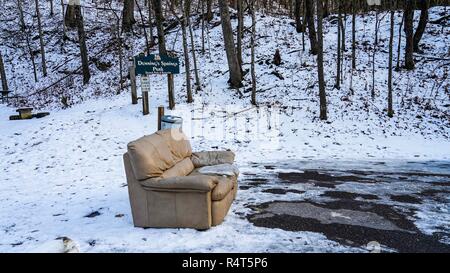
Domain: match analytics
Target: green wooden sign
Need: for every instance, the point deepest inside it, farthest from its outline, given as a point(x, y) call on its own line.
point(157, 64)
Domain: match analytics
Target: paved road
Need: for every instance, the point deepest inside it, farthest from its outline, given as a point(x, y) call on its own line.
point(384, 206)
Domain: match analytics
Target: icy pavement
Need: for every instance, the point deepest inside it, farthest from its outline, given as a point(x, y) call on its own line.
point(396, 205)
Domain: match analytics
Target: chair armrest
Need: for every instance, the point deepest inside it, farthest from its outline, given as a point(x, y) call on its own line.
point(201, 159)
point(203, 183)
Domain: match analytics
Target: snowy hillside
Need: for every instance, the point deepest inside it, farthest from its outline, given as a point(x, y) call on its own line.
point(57, 170)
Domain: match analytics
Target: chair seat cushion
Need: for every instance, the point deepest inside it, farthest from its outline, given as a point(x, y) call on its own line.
point(221, 169)
point(224, 186)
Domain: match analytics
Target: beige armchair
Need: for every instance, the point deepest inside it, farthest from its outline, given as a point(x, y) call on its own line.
point(166, 188)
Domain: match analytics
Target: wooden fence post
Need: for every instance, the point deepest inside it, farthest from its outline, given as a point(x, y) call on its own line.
point(145, 89)
point(145, 108)
point(160, 114)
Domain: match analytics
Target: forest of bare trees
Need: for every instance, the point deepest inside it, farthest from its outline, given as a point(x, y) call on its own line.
point(308, 16)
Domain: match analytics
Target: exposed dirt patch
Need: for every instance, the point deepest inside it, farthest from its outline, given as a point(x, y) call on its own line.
point(349, 195)
point(406, 199)
point(356, 235)
point(402, 174)
point(407, 238)
point(93, 214)
point(443, 184)
point(433, 192)
point(255, 182)
point(282, 191)
point(320, 179)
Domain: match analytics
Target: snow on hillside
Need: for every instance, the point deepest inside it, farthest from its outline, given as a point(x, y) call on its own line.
point(60, 168)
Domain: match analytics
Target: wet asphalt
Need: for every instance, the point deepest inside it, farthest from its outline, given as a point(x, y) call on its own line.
point(356, 204)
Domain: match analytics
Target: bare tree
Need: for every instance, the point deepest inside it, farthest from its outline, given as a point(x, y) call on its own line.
point(391, 41)
point(409, 49)
point(63, 21)
point(424, 6)
point(41, 39)
point(69, 19)
point(337, 85)
point(26, 31)
point(298, 17)
point(233, 63)
point(147, 44)
point(3, 74)
point(119, 46)
point(21, 19)
point(82, 41)
point(187, 14)
point(252, 46)
point(353, 34)
point(320, 73)
point(309, 9)
point(239, 32)
point(51, 7)
point(209, 14)
point(182, 21)
point(150, 22)
point(399, 44)
point(128, 15)
point(321, 77)
point(162, 48)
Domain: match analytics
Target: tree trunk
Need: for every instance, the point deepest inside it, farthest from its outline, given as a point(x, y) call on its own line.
point(3, 74)
point(185, 51)
point(30, 51)
point(147, 44)
point(338, 62)
point(375, 47)
point(298, 17)
point(21, 19)
point(150, 22)
point(187, 12)
point(159, 26)
point(409, 49)
point(321, 77)
point(424, 6)
point(128, 15)
point(209, 14)
point(41, 39)
point(162, 49)
point(51, 7)
point(391, 41)
point(399, 44)
point(311, 28)
point(252, 46)
point(326, 10)
point(233, 63)
point(82, 41)
point(119, 45)
point(203, 26)
point(240, 27)
point(353, 34)
point(69, 19)
point(63, 21)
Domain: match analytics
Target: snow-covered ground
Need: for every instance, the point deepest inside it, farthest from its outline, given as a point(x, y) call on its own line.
point(56, 170)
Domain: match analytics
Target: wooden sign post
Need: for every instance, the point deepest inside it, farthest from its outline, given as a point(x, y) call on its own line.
point(154, 64)
point(160, 114)
point(145, 88)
